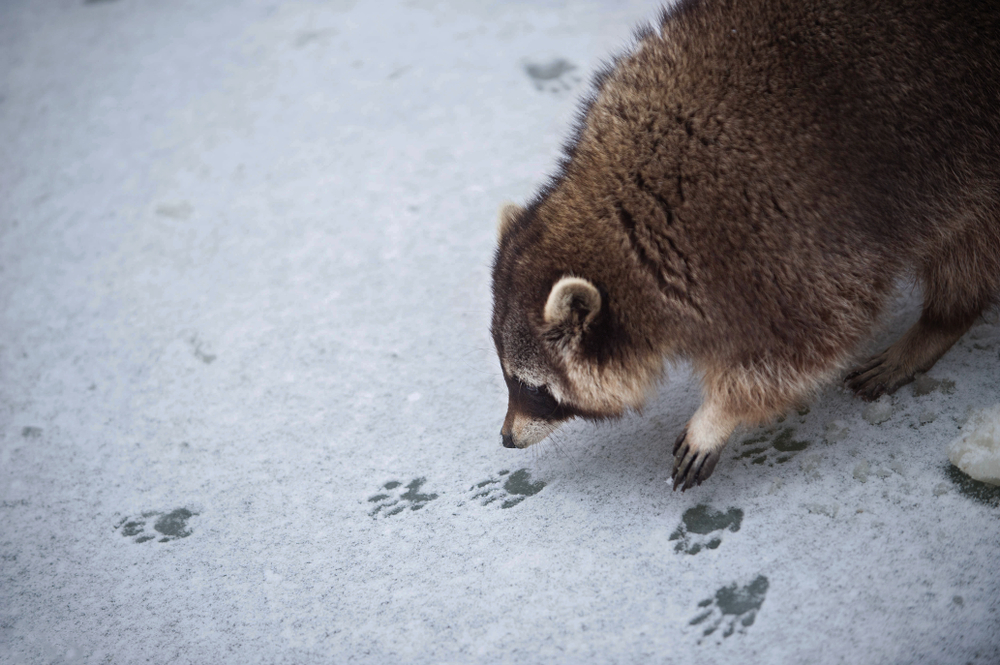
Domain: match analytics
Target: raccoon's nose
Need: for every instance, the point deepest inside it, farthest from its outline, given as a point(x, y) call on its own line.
point(507, 440)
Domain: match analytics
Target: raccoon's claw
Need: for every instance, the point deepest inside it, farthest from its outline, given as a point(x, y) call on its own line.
point(677, 444)
point(691, 466)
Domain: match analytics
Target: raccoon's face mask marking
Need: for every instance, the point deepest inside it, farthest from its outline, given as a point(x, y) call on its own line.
point(532, 414)
point(537, 399)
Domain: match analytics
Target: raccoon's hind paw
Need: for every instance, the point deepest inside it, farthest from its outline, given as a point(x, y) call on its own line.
point(876, 377)
point(916, 351)
point(691, 466)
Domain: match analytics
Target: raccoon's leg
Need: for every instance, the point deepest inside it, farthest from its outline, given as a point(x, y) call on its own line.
point(697, 449)
point(959, 283)
point(916, 351)
point(738, 395)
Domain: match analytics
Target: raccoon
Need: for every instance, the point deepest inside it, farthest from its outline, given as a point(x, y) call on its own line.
point(744, 190)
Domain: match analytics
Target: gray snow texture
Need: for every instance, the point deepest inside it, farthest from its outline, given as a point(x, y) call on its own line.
point(250, 409)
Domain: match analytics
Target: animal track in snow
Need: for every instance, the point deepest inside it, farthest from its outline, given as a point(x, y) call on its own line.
point(733, 607)
point(925, 385)
point(554, 75)
point(397, 500)
point(166, 526)
point(516, 488)
point(782, 447)
point(199, 349)
point(703, 526)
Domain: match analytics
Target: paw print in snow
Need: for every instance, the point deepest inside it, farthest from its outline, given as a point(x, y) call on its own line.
point(554, 76)
point(758, 447)
point(515, 489)
point(200, 352)
point(703, 526)
point(167, 526)
point(733, 607)
point(391, 504)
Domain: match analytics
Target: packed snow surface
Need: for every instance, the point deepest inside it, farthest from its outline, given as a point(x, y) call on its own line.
point(250, 409)
point(977, 450)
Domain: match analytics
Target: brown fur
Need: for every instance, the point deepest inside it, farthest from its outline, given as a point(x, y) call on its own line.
point(745, 189)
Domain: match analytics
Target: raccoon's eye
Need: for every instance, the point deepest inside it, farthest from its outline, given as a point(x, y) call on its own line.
point(539, 402)
point(537, 394)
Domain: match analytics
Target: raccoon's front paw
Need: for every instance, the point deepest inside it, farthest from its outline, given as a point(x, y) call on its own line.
point(691, 465)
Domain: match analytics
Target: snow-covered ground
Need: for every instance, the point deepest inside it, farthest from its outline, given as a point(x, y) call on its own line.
point(249, 407)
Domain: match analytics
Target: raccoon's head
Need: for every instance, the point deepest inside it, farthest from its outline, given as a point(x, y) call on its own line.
point(562, 348)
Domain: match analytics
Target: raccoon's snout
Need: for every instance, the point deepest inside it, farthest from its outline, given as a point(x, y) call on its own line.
point(522, 432)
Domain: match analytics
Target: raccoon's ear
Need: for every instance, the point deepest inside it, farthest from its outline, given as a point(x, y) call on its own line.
point(508, 213)
point(572, 300)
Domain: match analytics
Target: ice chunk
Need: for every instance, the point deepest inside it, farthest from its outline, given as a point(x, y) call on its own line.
point(977, 450)
point(878, 411)
point(836, 430)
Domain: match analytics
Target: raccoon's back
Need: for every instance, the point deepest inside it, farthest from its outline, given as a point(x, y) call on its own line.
point(876, 112)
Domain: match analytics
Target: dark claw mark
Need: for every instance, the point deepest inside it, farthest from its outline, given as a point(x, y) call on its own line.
point(679, 441)
point(874, 392)
point(685, 470)
point(686, 463)
point(872, 364)
point(678, 459)
point(693, 473)
point(866, 387)
point(692, 467)
point(876, 377)
point(709, 467)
